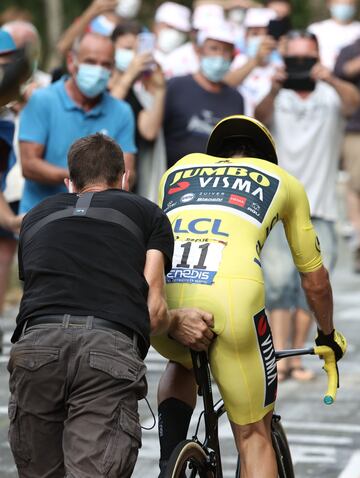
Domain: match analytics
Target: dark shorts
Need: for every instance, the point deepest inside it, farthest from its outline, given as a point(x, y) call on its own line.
point(73, 408)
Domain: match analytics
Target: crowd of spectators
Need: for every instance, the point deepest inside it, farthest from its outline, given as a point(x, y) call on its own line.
point(159, 89)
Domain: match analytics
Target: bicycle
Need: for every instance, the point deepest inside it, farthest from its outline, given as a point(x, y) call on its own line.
point(193, 458)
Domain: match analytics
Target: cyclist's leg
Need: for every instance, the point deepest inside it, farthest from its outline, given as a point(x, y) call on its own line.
point(254, 441)
point(176, 397)
point(242, 361)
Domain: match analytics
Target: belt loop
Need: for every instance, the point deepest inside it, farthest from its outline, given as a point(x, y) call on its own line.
point(89, 322)
point(135, 342)
point(66, 320)
point(23, 330)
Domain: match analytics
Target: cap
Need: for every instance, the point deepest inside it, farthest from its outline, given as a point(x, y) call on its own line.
point(7, 44)
point(258, 17)
point(240, 126)
point(221, 31)
point(205, 16)
point(174, 15)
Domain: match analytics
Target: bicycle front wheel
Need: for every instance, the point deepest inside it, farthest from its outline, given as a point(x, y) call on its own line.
point(188, 460)
point(282, 450)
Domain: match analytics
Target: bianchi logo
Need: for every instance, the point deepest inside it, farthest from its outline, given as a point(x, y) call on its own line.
point(187, 197)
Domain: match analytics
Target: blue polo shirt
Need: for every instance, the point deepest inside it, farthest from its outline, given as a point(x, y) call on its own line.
point(53, 119)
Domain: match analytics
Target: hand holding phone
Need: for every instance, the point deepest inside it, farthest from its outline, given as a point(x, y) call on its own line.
point(146, 44)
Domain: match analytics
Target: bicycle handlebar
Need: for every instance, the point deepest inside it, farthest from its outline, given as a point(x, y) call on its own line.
point(330, 367)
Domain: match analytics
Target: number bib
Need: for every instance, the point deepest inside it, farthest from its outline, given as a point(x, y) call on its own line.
point(195, 263)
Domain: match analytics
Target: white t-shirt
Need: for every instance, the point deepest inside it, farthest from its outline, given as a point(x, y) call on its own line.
point(332, 37)
point(256, 85)
point(182, 61)
point(308, 135)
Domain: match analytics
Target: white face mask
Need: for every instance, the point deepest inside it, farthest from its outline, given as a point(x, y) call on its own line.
point(169, 39)
point(128, 8)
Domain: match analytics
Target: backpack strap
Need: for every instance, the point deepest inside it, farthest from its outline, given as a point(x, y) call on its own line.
point(83, 209)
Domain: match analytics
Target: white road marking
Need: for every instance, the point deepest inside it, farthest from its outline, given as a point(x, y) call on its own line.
point(336, 427)
point(352, 469)
point(313, 454)
point(319, 439)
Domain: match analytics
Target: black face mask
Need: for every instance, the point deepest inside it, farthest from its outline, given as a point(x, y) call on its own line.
point(298, 69)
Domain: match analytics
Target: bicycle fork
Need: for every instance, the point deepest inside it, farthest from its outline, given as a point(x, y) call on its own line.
point(211, 416)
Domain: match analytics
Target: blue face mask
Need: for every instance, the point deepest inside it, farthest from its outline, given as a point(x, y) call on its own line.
point(92, 80)
point(123, 58)
point(342, 12)
point(252, 46)
point(214, 68)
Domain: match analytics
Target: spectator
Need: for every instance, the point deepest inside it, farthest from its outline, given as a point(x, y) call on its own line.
point(23, 33)
point(140, 82)
point(93, 293)
point(9, 222)
point(76, 105)
point(308, 130)
point(26, 33)
point(336, 32)
point(188, 123)
point(184, 60)
point(236, 12)
point(251, 72)
point(348, 68)
point(171, 27)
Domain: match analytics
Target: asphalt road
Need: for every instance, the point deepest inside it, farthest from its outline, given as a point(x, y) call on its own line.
point(324, 440)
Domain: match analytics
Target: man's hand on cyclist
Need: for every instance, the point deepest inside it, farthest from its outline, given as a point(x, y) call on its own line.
point(336, 341)
point(191, 327)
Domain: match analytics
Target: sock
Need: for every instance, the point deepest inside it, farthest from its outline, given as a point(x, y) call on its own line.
point(174, 420)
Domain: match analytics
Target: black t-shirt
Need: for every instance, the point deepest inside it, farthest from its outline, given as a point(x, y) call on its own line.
point(84, 266)
point(191, 112)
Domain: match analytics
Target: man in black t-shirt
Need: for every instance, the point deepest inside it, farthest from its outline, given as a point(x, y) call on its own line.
point(93, 263)
point(194, 104)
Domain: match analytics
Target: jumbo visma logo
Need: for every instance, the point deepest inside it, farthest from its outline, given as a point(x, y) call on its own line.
point(244, 189)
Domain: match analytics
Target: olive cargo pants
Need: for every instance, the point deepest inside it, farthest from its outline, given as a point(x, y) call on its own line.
point(74, 401)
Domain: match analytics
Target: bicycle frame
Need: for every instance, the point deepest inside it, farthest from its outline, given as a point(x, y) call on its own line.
point(213, 413)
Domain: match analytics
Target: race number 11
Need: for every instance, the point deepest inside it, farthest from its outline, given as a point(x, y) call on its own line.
point(191, 255)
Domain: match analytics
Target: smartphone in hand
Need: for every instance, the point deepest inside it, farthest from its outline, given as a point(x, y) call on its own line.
point(146, 44)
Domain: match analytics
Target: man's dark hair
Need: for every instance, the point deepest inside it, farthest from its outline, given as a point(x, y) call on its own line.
point(125, 28)
point(95, 158)
point(243, 147)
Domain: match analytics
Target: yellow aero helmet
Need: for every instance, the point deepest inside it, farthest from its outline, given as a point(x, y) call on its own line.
point(244, 129)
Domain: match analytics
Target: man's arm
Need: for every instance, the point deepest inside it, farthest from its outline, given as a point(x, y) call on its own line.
point(348, 93)
point(154, 275)
point(305, 249)
point(235, 77)
point(78, 27)
point(265, 109)
point(34, 167)
point(190, 327)
point(318, 293)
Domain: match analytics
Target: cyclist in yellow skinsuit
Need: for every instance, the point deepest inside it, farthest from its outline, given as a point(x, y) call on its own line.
point(222, 208)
